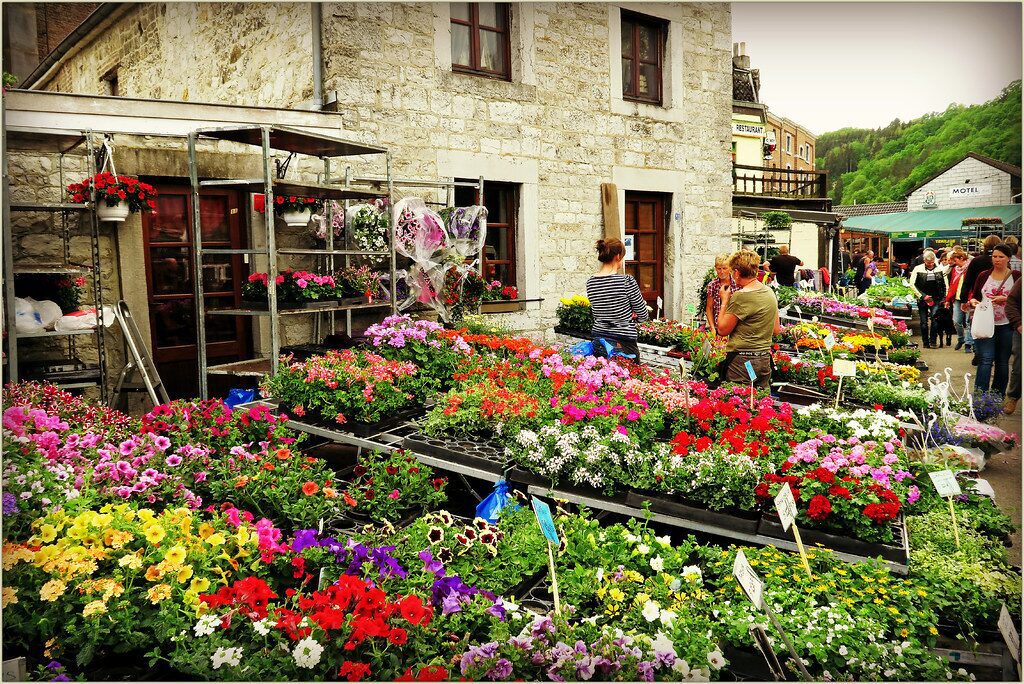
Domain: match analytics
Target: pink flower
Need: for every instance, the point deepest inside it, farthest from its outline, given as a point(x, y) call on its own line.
point(301, 282)
point(200, 476)
point(632, 416)
point(394, 494)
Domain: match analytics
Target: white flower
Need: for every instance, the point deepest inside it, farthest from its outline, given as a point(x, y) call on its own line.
point(676, 585)
point(206, 625)
point(644, 549)
point(600, 574)
point(682, 667)
point(662, 644)
point(657, 564)
point(651, 611)
point(664, 541)
point(692, 570)
point(262, 627)
point(307, 652)
point(716, 660)
point(843, 651)
point(668, 617)
point(226, 656)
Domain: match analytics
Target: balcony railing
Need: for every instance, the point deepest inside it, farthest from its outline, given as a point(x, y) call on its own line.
point(773, 182)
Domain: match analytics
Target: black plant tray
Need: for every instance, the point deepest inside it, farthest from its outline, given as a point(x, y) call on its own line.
point(895, 552)
point(801, 395)
point(523, 477)
point(483, 454)
point(263, 306)
point(361, 429)
point(569, 332)
point(737, 521)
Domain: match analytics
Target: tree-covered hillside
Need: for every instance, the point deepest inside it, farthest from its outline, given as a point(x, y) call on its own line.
point(884, 164)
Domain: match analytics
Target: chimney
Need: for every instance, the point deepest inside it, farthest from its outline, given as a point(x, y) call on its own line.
point(740, 59)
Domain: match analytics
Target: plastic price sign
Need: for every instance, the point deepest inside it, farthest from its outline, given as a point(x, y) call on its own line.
point(705, 350)
point(547, 524)
point(785, 504)
point(751, 584)
point(691, 309)
point(1008, 628)
point(750, 371)
point(945, 483)
point(947, 487)
point(799, 311)
point(830, 341)
point(844, 368)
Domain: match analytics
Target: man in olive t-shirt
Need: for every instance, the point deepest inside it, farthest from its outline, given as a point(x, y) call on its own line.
point(784, 265)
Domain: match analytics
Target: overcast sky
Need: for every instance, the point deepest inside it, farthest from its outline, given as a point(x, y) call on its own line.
point(827, 65)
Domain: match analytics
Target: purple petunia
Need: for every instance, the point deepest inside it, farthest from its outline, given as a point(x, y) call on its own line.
point(10, 503)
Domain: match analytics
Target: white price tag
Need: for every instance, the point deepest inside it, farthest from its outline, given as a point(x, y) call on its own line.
point(945, 483)
point(1008, 629)
point(844, 368)
point(830, 341)
point(798, 309)
point(705, 350)
point(752, 585)
point(785, 504)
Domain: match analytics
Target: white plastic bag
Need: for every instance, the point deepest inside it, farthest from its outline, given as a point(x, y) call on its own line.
point(27, 319)
point(983, 325)
point(48, 311)
point(83, 320)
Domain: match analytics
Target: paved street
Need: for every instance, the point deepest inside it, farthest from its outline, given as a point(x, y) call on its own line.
point(1003, 471)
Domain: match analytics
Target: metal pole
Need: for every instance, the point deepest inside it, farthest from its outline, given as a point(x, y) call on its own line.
point(268, 193)
point(391, 213)
point(348, 246)
point(197, 269)
point(8, 243)
point(329, 215)
point(97, 280)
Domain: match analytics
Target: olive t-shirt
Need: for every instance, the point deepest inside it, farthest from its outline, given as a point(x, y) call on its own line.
point(756, 311)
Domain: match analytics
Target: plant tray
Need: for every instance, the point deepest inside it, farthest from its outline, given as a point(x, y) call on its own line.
point(737, 521)
point(526, 478)
point(895, 552)
point(290, 306)
point(482, 454)
point(800, 395)
point(569, 332)
point(354, 301)
point(360, 429)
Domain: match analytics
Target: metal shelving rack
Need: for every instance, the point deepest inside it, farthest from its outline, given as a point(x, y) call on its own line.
point(293, 142)
point(61, 144)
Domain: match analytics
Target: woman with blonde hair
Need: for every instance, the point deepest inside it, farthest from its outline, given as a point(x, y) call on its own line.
point(749, 317)
point(714, 295)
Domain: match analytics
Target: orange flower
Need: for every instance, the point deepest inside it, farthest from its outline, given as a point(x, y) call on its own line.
point(241, 482)
point(349, 500)
point(310, 488)
point(330, 493)
point(284, 454)
point(268, 466)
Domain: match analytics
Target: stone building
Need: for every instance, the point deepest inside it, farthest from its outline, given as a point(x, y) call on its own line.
point(546, 102)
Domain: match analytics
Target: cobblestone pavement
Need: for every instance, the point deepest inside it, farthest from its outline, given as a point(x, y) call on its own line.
point(1003, 471)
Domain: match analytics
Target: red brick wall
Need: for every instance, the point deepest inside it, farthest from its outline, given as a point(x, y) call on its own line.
point(55, 21)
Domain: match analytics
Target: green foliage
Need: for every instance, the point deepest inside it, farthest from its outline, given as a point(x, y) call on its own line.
point(884, 164)
point(776, 219)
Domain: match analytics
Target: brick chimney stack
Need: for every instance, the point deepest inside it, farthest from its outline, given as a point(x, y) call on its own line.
point(740, 58)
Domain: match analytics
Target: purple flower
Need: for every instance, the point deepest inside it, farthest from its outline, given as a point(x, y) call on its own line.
point(430, 564)
point(304, 539)
point(497, 610)
point(61, 678)
point(451, 604)
point(174, 461)
point(54, 665)
point(646, 670)
point(501, 670)
point(162, 443)
point(10, 503)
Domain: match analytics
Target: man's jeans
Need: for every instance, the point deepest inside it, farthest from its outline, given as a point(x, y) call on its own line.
point(994, 365)
point(962, 323)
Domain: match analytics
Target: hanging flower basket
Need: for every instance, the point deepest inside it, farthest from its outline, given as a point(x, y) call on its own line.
point(116, 196)
point(294, 211)
point(296, 218)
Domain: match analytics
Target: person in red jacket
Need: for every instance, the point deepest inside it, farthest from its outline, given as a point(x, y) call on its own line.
point(994, 285)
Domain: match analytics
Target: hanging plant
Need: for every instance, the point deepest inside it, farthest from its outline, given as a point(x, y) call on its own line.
point(113, 191)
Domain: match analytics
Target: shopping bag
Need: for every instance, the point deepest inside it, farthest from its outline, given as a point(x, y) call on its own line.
point(490, 508)
point(239, 396)
point(983, 325)
point(582, 349)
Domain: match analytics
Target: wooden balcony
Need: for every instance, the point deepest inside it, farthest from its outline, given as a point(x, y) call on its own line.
point(783, 183)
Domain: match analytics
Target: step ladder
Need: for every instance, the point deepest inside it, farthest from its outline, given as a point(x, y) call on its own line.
point(140, 360)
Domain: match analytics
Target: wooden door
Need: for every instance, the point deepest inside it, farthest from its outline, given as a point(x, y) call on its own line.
point(170, 252)
point(645, 222)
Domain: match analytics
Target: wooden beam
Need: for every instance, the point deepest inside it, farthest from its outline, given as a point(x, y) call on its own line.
point(610, 210)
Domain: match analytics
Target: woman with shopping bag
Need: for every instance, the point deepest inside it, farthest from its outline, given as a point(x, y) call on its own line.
point(993, 335)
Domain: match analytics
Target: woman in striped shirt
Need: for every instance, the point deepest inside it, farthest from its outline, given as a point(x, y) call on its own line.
point(615, 300)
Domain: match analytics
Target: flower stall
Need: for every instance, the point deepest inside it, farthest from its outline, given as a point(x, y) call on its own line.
point(201, 541)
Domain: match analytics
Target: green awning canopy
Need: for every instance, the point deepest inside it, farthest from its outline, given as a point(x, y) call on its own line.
point(929, 223)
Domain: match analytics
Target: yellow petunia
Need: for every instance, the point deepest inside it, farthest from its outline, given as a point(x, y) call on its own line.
point(199, 585)
point(47, 533)
point(215, 539)
point(155, 533)
point(616, 594)
point(52, 590)
point(153, 573)
point(130, 561)
point(176, 555)
point(146, 515)
point(205, 530)
point(158, 593)
point(184, 573)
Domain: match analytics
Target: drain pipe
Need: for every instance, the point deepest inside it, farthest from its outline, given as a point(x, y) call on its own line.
point(315, 11)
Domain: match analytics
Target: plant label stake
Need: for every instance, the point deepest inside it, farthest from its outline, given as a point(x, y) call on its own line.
point(658, 309)
point(885, 374)
point(947, 487)
point(547, 526)
point(843, 368)
point(1008, 629)
point(785, 504)
point(753, 376)
point(685, 379)
point(830, 342)
point(753, 588)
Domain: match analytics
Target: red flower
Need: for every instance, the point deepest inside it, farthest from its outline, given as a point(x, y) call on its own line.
point(398, 636)
point(391, 470)
point(819, 508)
point(413, 610)
point(310, 488)
point(369, 495)
point(353, 672)
point(840, 491)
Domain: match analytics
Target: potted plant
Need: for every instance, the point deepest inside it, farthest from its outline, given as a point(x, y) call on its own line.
point(296, 211)
point(499, 298)
point(358, 285)
point(295, 289)
point(116, 196)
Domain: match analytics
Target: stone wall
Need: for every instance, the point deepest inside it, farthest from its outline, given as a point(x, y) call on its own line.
point(559, 128)
point(978, 173)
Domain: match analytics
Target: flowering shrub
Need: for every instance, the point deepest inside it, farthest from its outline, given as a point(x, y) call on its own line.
point(713, 476)
point(826, 305)
point(724, 415)
point(349, 629)
point(118, 578)
point(68, 293)
point(112, 190)
point(385, 486)
point(344, 385)
point(293, 287)
point(809, 421)
point(461, 292)
point(858, 487)
point(79, 414)
point(286, 203)
point(574, 313)
point(476, 409)
point(867, 339)
point(369, 225)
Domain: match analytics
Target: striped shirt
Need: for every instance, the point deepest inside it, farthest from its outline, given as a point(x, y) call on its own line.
point(614, 299)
